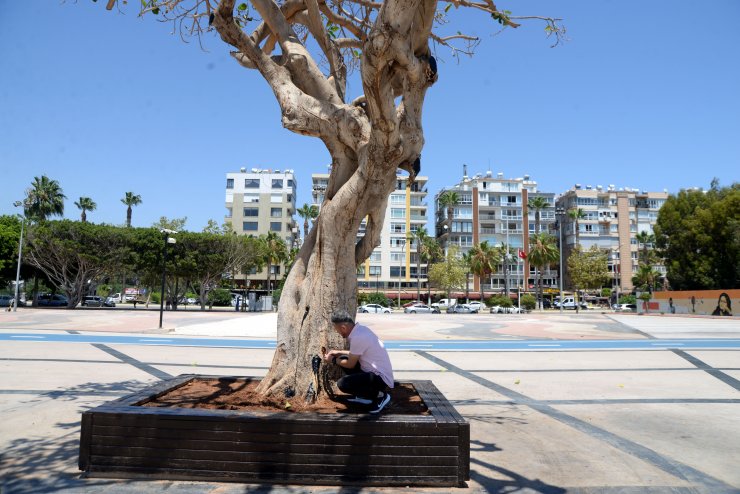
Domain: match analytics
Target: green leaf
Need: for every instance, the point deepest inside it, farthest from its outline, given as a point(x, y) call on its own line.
point(155, 11)
point(448, 7)
point(242, 7)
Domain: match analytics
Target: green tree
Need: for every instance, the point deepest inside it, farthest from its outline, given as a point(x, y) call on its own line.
point(70, 253)
point(450, 274)
point(543, 251)
point(213, 227)
point(646, 278)
point(85, 204)
point(165, 223)
point(576, 215)
point(588, 269)
point(10, 233)
point(45, 198)
point(430, 252)
point(483, 261)
point(644, 241)
point(418, 238)
point(697, 233)
point(537, 204)
point(276, 252)
point(448, 200)
point(307, 212)
point(130, 200)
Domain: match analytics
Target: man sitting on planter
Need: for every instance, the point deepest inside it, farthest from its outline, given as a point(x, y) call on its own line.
point(369, 374)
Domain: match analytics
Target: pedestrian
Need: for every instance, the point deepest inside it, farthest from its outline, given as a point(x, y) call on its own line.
point(367, 365)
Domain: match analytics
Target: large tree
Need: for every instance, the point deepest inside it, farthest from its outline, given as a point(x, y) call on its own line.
point(483, 261)
point(543, 252)
point(368, 137)
point(698, 235)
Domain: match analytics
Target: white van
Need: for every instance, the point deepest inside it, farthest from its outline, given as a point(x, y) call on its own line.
point(445, 303)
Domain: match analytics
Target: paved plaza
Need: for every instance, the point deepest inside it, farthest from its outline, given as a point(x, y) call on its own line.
point(661, 420)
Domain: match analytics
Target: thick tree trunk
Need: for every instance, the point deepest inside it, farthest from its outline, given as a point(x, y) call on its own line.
point(322, 280)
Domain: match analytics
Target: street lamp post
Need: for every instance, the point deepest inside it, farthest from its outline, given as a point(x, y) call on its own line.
point(377, 277)
point(560, 212)
point(400, 266)
point(20, 250)
point(167, 240)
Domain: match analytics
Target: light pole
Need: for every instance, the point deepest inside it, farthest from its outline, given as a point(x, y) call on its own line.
point(560, 212)
point(377, 276)
point(20, 250)
point(167, 240)
point(400, 265)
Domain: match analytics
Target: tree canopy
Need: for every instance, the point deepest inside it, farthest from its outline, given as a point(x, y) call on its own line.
point(698, 234)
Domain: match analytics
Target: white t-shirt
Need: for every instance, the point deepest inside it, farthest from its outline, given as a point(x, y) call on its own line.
point(373, 355)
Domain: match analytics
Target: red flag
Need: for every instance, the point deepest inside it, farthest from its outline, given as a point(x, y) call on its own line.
point(522, 254)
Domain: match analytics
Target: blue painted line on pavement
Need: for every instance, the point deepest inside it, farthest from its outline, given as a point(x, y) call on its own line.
point(440, 345)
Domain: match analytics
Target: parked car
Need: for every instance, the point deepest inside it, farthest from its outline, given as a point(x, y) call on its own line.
point(415, 302)
point(376, 308)
point(462, 309)
point(49, 300)
point(93, 301)
point(569, 303)
point(421, 309)
point(476, 304)
point(625, 307)
point(6, 300)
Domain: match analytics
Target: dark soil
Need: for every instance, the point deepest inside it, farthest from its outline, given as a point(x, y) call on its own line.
point(239, 394)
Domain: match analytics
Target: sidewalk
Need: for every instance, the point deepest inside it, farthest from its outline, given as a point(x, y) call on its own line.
point(583, 422)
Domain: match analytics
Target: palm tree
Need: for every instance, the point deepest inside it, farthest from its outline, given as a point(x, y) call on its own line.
point(130, 200)
point(44, 199)
point(307, 212)
point(276, 251)
point(448, 200)
point(543, 251)
point(85, 204)
point(646, 277)
point(483, 261)
point(576, 214)
point(644, 240)
point(430, 252)
point(418, 237)
point(537, 203)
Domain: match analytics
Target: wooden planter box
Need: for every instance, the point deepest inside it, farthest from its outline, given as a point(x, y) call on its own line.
point(123, 440)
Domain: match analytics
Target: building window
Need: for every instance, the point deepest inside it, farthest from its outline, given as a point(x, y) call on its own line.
point(276, 212)
point(229, 183)
point(251, 212)
point(251, 198)
point(398, 199)
point(398, 213)
point(275, 198)
point(275, 269)
point(290, 183)
point(290, 198)
point(398, 228)
point(251, 183)
point(277, 183)
point(398, 242)
point(228, 212)
point(375, 270)
point(462, 227)
point(375, 256)
point(395, 270)
point(276, 226)
point(249, 226)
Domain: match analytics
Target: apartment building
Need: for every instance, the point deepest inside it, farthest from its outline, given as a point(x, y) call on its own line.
point(493, 209)
point(613, 218)
point(259, 201)
point(393, 264)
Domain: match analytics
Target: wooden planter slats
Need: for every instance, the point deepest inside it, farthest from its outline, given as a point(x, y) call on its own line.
point(123, 439)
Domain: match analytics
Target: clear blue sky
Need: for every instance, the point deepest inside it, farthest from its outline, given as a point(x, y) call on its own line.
point(644, 95)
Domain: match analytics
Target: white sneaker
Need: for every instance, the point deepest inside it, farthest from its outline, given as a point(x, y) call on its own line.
point(359, 401)
point(382, 402)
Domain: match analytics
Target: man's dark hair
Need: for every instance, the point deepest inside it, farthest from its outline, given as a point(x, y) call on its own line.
point(340, 316)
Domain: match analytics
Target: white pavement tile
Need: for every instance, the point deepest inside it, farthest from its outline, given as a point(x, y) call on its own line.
point(703, 436)
point(718, 358)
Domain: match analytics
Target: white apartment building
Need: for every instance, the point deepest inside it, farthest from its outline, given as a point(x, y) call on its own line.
point(259, 201)
point(492, 209)
point(613, 218)
point(393, 264)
